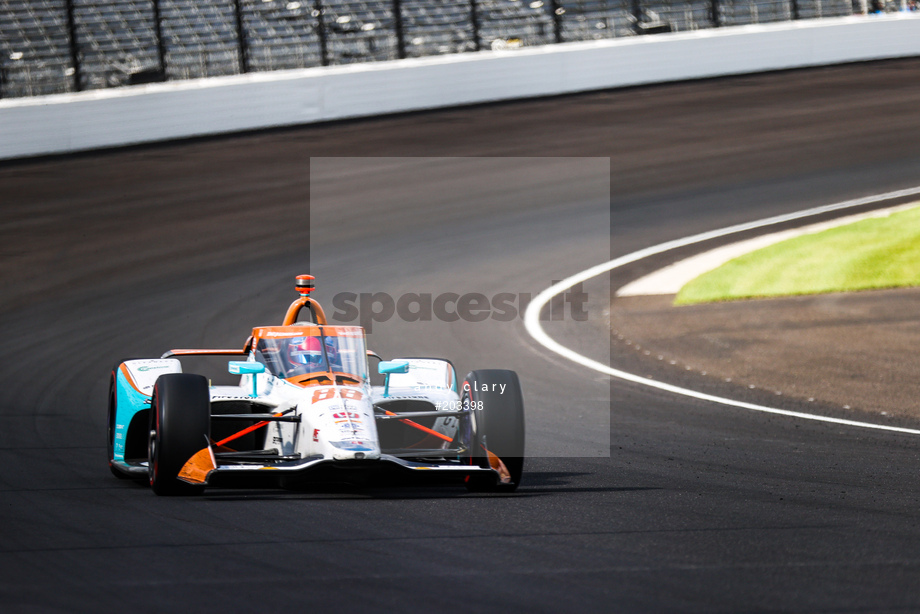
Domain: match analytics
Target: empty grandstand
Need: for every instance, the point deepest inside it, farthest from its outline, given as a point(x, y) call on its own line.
point(54, 46)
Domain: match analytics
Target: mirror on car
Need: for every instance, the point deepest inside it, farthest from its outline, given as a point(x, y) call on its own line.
point(239, 367)
point(385, 367)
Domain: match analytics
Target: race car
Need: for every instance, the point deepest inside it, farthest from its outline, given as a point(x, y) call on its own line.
point(305, 412)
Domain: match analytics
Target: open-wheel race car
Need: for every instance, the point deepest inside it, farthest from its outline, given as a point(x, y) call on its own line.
point(305, 412)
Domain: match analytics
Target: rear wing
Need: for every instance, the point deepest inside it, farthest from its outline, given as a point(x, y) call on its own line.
point(247, 347)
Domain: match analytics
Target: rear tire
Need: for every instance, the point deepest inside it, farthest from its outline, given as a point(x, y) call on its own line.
point(497, 406)
point(180, 417)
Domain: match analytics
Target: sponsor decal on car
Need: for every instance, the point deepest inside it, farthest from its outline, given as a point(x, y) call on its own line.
point(152, 368)
point(282, 333)
point(347, 414)
point(325, 394)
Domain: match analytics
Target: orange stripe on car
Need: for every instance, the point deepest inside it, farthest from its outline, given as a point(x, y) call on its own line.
point(127, 375)
point(420, 427)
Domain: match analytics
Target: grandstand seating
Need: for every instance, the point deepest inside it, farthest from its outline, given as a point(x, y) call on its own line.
point(682, 15)
point(433, 28)
point(281, 34)
point(201, 38)
point(34, 48)
point(120, 41)
point(755, 11)
point(816, 9)
point(527, 21)
point(359, 30)
point(116, 41)
point(596, 19)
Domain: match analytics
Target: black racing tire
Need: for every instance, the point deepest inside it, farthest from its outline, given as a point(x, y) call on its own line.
point(498, 425)
point(180, 424)
point(110, 429)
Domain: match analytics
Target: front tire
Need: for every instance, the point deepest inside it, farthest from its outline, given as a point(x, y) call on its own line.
point(497, 405)
point(180, 421)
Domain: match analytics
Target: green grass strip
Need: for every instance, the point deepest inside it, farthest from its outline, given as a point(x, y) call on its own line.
point(868, 254)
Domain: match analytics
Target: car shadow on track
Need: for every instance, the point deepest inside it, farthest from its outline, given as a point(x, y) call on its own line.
point(536, 484)
point(550, 482)
point(351, 492)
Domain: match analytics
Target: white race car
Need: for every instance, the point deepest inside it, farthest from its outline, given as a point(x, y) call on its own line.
point(305, 412)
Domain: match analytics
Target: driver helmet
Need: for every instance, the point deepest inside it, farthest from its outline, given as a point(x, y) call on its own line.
point(306, 351)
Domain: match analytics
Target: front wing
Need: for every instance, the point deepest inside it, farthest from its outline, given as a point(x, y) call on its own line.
point(324, 470)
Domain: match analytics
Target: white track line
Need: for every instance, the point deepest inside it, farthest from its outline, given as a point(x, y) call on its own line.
point(532, 314)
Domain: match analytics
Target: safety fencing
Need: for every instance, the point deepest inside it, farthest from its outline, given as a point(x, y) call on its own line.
point(59, 46)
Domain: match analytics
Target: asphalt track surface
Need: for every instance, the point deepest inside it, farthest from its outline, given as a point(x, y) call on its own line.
point(697, 507)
